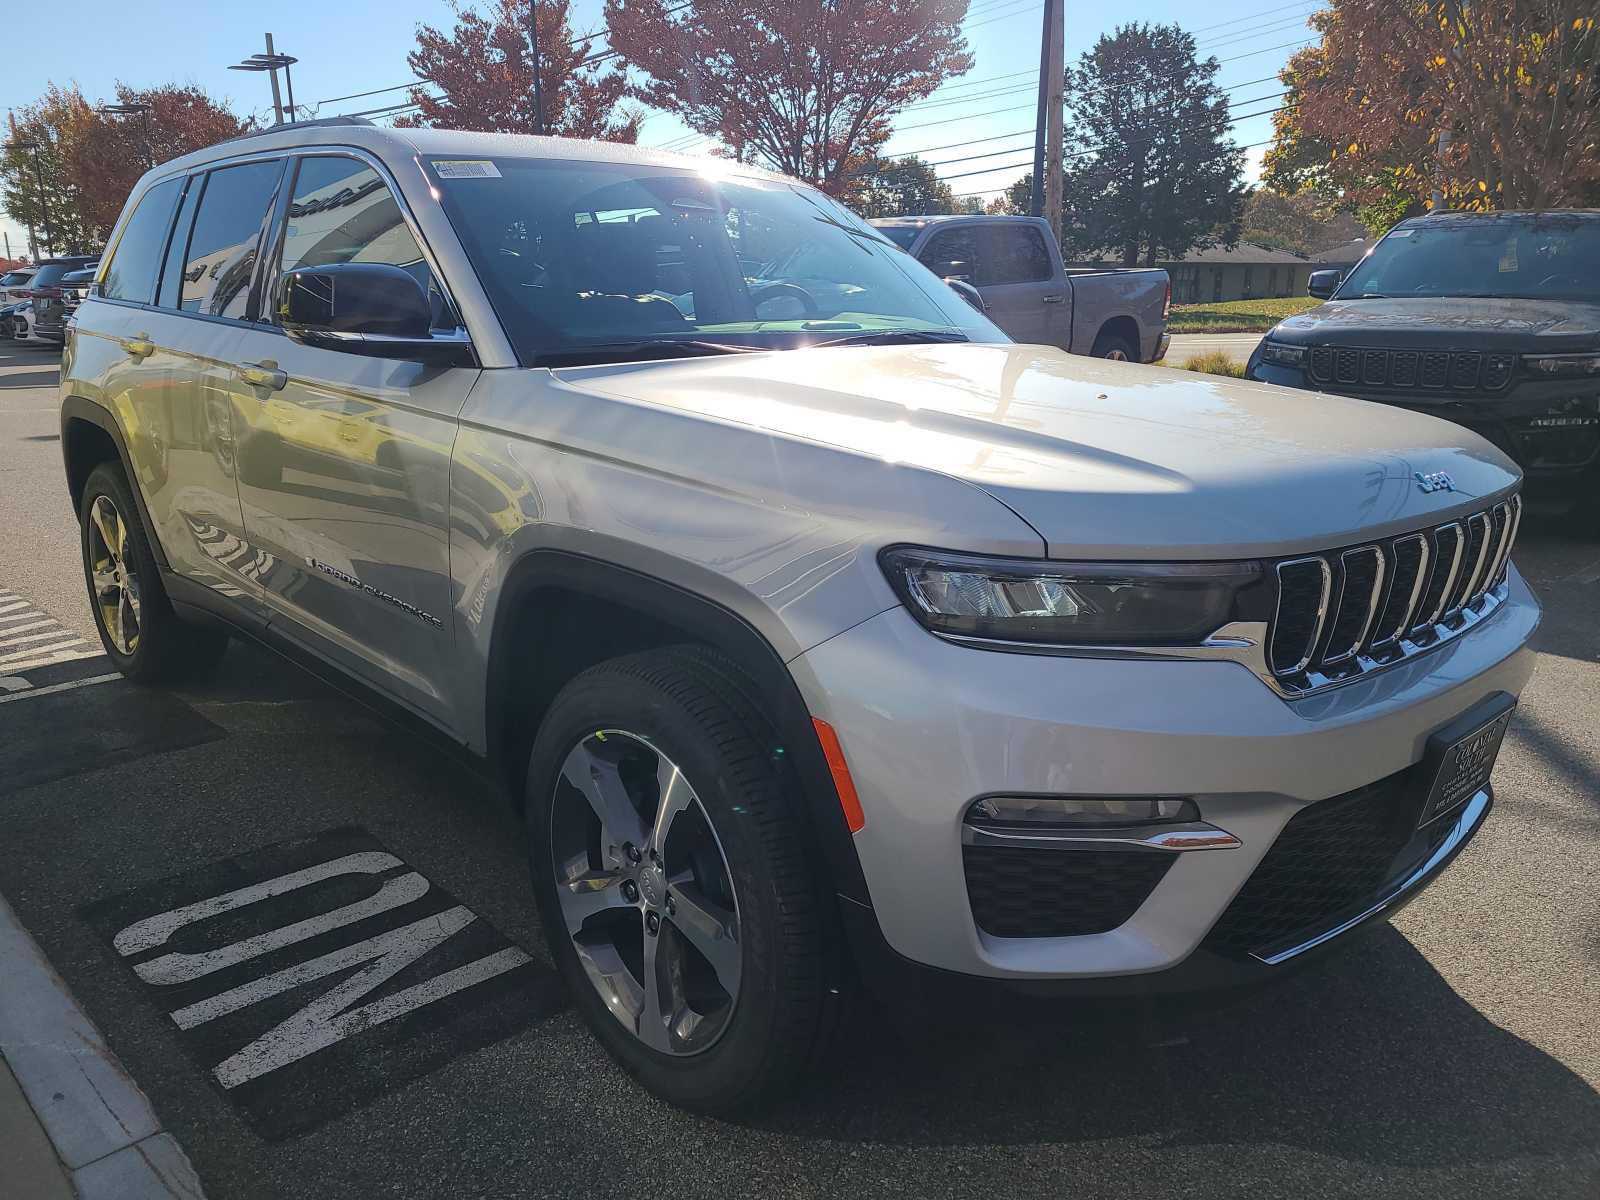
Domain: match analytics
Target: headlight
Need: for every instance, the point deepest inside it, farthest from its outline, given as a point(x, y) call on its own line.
point(1563, 364)
point(1283, 356)
point(1027, 600)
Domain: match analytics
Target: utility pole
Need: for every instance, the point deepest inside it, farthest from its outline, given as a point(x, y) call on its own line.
point(1056, 44)
point(1036, 199)
point(1438, 176)
point(538, 88)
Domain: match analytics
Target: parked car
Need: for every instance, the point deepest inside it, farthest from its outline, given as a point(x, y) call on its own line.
point(48, 292)
point(75, 285)
point(21, 328)
point(855, 641)
point(14, 285)
point(1491, 320)
point(1016, 266)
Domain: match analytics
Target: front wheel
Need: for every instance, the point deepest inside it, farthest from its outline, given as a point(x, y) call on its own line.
point(670, 868)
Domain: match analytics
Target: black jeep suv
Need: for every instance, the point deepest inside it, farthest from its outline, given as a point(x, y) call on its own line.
point(1491, 320)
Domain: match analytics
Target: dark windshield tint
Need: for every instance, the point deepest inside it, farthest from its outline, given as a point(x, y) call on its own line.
point(577, 254)
point(1556, 256)
point(900, 235)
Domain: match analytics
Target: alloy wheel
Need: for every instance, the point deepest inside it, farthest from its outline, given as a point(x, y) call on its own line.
point(645, 892)
point(113, 576)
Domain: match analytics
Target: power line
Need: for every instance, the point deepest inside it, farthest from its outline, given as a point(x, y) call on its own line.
point(1007, 187)
point(1252, 16)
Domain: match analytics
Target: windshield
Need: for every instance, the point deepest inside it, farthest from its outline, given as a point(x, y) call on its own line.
point(1550, 257)
point(620, 259)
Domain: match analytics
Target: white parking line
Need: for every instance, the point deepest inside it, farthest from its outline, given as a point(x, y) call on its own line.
point(31, 637)
point(5, 634)
point(57, 632)
point(34, 693)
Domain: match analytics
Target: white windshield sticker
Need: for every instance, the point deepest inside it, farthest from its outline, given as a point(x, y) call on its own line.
point(466, 168)
point(1401, 233)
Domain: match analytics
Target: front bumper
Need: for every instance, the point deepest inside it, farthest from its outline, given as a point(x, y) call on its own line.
point(1548, 427)
point(928, 726)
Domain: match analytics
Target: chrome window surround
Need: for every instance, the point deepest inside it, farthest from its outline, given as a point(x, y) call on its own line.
point(1246, 642)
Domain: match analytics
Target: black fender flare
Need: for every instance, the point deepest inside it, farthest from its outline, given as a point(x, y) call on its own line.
point(76, 408)
point(705, 621)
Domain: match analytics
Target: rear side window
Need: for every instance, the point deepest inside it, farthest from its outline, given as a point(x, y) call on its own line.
point(1016, 254)
point(136, 261)
point(222, 248)
point(953, 252)
point(178, 245)
point(340, 211)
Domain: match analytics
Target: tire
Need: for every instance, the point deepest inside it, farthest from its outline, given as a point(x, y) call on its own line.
point(155, 645)
point(1115, 346)
point(694, 711)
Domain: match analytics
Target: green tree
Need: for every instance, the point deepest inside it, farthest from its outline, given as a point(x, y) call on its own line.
point(51, 123)
point(902, 187)
point(1299, 222)
point(1150, 170)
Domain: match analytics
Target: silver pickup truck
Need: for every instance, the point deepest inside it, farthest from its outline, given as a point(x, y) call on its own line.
point(1015, 264)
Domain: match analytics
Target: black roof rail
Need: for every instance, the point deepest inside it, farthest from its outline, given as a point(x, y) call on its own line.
point(321, 123)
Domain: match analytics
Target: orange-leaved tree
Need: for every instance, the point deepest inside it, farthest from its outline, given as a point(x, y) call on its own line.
point(106, 153)
point(1513, 81)
point(807, 87)
point(480, 76)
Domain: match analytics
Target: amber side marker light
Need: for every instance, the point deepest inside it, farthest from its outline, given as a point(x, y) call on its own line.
point(842, 783)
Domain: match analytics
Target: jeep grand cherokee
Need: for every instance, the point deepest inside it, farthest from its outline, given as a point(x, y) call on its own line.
point(814, 626)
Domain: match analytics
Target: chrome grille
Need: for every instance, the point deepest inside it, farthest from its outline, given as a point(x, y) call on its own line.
point(1344, 612)
point(1458, 370)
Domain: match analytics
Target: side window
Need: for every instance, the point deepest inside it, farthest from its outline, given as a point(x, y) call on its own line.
point(953, 252)
point(137, 258)
point(1017, 254)
point(222, 248)
point(178, 243)
point(342, 211)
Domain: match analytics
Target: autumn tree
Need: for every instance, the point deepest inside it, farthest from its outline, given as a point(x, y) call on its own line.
point(1299, 222)
point(481, 76)
point(1150, 170)
point(807, 87)
point(107, 153)
point(1514, 82)
point(56, 215)
point(901, 187)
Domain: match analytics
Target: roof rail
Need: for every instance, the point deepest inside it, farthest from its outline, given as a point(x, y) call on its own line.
point(321, 123)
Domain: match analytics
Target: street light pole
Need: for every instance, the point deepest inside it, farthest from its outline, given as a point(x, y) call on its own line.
point(143, 109)
point(538, 88)
point(270, 62)
point(44, 208)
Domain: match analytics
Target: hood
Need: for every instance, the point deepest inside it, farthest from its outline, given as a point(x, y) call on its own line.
point(1548, 326)
point(1107, 460)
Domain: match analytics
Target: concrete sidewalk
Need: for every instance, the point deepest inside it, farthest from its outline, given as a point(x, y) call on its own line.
point(72, 1122)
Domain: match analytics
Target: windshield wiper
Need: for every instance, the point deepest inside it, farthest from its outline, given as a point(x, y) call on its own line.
point(641, 350)
point(892, 337)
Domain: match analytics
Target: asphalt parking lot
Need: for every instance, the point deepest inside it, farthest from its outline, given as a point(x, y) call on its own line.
point(1456, 1053)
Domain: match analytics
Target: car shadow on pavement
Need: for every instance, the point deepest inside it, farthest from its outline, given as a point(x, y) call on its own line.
point(1370, 1057)
point(30, 379)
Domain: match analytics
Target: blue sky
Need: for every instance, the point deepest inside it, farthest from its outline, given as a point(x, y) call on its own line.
point(360, 45)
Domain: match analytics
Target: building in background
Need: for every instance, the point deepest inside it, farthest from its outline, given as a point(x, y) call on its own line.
point(1246, 272)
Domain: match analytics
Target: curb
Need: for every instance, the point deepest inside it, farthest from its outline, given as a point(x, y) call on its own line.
point(100, 1123)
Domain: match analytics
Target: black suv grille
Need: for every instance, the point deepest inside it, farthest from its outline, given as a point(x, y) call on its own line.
point(1058, 893)
point(1333, 857)
point(1458, 370)
point(1340, 607)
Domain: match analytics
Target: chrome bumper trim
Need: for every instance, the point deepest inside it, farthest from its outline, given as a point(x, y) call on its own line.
point(1169, 839)
point(1472, 815)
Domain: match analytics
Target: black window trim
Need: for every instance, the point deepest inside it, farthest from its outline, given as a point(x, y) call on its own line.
point(269, 261)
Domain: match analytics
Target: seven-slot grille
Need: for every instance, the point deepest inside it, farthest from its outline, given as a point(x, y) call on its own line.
point(1458, 370)
point(1341, 611)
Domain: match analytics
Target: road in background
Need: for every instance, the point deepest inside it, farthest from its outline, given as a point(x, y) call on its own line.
point(1456, 1053)
point(1187, 345)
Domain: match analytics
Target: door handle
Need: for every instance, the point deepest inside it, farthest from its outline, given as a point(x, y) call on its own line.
point(1054, 299)
point(139, 347)
point(263, 375)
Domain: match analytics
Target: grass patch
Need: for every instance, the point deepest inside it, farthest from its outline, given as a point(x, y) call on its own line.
point(1236, 316)
point(1216, 362)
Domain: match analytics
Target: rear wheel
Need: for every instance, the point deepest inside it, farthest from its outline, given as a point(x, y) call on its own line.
point(137, 626)
point(673, 881)
point(1115, 347)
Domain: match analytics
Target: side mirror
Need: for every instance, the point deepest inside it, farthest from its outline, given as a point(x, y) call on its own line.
point(967, 292)
point(1322, 284)
point(361, 308)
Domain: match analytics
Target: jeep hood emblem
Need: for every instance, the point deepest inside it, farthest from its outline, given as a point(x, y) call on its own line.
point(1435, 481)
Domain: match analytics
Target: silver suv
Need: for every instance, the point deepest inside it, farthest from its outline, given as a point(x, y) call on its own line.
point(820, 633)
